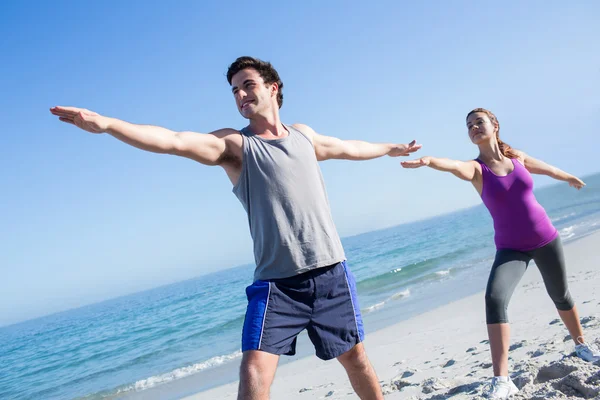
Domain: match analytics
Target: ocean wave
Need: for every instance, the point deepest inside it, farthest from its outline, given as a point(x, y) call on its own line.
point(179, 373)
point(568, 232)
point(396, 296)
point(443, 272)
point(400, 295)
point(410, 272)
point(556, 219)
point(373, 307)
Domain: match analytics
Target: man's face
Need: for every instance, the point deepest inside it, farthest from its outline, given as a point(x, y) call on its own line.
point(252, 96)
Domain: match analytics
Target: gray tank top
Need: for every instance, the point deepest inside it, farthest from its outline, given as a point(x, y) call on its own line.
point(282, 190)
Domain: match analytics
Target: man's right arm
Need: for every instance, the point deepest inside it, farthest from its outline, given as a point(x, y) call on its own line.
point(208, 149)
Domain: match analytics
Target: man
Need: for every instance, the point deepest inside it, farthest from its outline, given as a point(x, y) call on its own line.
point(301, 280)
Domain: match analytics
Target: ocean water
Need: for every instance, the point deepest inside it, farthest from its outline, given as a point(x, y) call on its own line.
point(185, 337)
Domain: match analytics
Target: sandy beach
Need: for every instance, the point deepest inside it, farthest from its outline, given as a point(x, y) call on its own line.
point(444, 353)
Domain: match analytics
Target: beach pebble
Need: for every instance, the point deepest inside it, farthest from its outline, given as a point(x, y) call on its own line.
point(329, 394)
point(485, 342)
point(588, 320)
point(470, 349)
point(485, 365)
point(466, 388)
point(554, 321)
point(433, 384)
point(537, 353)
point(449, 363)
point(567, 338)
point(408, 373)
point(399, 384)
point(304, 390)
point(517, 345)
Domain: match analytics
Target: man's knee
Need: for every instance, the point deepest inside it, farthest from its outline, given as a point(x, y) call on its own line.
point(250, 371)
point(355, 358)
point(257, 368)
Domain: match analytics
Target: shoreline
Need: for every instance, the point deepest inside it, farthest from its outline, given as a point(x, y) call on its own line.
point(418, 349)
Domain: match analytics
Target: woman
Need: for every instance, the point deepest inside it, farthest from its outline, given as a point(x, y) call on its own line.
point(523, 231)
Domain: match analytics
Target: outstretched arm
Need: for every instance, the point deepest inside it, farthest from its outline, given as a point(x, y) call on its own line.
point(327, 148)
point(465, 170)
point(536, 166)
point(207, 149)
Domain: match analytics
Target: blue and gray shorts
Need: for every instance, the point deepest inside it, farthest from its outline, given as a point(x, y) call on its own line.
point(322, 301)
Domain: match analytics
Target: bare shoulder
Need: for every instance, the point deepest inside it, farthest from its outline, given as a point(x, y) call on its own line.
point(234, 144)
point(477, 180)
point(225, 133)
point(521, 156)
point(307, 130)
point(232, 137)
point(477, 167)
point(474, 163)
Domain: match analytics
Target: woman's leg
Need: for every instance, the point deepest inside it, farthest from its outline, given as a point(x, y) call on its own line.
point(551, 262)
point(507, 270)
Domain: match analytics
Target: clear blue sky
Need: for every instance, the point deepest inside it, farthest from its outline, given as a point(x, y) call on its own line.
point(84, 218)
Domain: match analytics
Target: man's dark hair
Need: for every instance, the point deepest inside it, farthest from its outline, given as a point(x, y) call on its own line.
point(264, 68)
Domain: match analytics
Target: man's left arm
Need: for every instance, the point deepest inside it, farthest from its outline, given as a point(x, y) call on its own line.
point(327, 147)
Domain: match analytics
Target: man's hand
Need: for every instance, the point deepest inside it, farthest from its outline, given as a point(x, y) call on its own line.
point(404, 149)
point(82, 118)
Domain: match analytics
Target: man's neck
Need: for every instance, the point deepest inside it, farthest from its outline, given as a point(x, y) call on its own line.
point(269, 126)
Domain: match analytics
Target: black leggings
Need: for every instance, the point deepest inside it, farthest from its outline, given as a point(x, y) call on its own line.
point(508, 269)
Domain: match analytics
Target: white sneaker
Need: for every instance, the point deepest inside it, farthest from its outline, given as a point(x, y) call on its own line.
point(587, 352)
point(501, 388)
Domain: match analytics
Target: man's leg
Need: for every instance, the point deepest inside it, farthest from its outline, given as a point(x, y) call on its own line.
point(256, 375)
point(336, 329)
point(277, 311)
point(361, 373)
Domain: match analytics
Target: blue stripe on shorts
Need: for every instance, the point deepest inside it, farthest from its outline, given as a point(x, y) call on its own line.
point(357, 316)
point(258, 300)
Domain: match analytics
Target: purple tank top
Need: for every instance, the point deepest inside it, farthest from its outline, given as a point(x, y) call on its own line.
point(520, 222)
